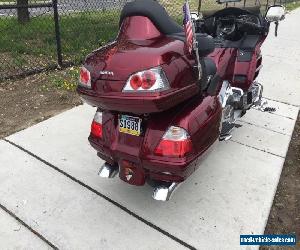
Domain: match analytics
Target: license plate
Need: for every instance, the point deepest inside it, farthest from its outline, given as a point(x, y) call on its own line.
point(130, 125)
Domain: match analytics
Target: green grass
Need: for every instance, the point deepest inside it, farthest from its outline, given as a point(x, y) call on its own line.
point(30, 45)
point(66, 79)
point(293, 5)
point(33, 44)
point(81, 33)
point(174, 7)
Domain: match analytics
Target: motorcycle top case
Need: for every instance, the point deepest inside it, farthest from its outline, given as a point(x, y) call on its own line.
point(139, 46)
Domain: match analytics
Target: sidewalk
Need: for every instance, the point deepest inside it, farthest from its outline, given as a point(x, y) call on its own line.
point(48, 178)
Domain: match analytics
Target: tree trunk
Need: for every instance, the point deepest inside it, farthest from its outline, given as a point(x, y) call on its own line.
point(23, 13)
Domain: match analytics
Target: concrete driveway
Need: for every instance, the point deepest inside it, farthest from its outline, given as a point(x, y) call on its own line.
point(51, 196)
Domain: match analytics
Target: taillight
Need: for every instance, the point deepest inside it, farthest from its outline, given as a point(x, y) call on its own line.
point(136, 82)
point(96, 127)
point(149, 80)
point(85, 77)
point(176, 142)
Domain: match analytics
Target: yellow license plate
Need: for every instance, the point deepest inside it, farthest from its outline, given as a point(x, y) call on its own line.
point(130, 125)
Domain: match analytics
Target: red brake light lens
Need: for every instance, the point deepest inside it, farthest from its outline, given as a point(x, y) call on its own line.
point(136, 82)
point(85, 77)
point(175, 143)
point(149, 79)
point(173, 148)
point(96, 127)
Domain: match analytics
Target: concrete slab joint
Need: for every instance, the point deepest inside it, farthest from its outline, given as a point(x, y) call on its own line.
point(52, 188)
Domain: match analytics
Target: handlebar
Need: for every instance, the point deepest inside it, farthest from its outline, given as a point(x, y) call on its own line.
point(250, 25)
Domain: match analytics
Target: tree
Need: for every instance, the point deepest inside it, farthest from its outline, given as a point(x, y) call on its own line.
point(23, 13)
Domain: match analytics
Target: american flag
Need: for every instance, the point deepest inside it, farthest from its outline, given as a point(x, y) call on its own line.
point(188, 26)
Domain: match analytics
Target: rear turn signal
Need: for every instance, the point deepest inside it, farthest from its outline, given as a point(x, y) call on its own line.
point(85, 78)
point(176, 142)
point(96, 127)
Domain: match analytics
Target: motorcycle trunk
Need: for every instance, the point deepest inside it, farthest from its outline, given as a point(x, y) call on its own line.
point(139, 46)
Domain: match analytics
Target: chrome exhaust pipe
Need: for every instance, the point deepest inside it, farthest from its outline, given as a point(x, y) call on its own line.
point(163, 192)
point(108, 171)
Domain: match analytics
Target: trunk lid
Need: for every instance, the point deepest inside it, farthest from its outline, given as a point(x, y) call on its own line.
point(118, 60)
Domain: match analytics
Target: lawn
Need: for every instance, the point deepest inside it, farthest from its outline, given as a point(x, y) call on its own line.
point(293, 5)
point(174, 7)
point(33, 44)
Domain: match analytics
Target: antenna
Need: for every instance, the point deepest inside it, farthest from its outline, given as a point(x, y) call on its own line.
point(195, 47)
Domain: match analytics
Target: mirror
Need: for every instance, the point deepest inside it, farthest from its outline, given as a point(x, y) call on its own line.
point(194, 16)
point(275, 13)
point(227, 1)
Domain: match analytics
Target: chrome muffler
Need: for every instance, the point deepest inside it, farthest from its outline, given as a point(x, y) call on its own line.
point(108, 171)
point(163, 192)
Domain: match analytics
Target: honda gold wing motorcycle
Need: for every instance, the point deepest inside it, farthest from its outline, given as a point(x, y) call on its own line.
point(160, 105)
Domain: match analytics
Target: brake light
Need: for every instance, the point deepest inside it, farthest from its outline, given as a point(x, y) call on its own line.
point(176, 142)
point(85, 77)
point(149, 80)
point(135, 82)
point(96, 127)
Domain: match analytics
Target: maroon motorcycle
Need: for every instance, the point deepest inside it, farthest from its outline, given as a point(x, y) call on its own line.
point(161, 107)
